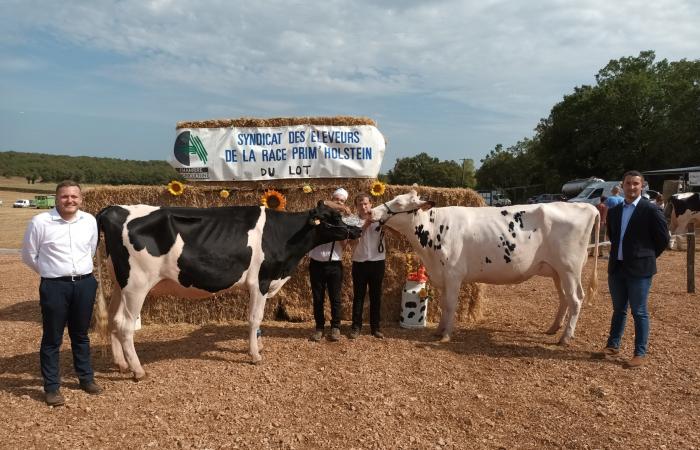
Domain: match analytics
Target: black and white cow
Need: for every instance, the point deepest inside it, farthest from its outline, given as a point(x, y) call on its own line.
point(196, 252)
point(686, 210)
point(499, 245)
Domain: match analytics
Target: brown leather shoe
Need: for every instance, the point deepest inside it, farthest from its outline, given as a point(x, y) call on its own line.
point(634, 363)
point(91, 387)
point(55, 398)
point(610, 351)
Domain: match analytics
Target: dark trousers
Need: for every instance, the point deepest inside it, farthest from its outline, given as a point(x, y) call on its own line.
point(326, 275)
point(367, 273)
point(66, 303)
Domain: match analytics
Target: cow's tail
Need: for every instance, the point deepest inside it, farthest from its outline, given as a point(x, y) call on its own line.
point(593, 282)
point(101, 319)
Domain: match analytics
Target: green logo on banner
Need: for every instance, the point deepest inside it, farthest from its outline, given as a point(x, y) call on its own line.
point(187, 144)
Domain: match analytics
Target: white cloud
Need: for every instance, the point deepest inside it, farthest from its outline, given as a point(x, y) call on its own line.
point(505, 62)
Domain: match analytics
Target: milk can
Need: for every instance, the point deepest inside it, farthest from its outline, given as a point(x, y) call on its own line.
point(414, 300)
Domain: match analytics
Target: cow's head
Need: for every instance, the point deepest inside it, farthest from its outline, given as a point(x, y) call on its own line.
point(404, 203)
point(328, 220)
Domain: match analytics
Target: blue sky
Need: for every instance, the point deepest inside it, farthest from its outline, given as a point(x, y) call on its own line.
point(450, 78)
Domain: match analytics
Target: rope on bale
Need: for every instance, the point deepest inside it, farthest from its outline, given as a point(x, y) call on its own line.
point(250, 122)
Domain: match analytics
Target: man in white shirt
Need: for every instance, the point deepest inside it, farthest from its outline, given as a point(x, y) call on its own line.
point(326, 272)
point(59, 245)
point(368, 264)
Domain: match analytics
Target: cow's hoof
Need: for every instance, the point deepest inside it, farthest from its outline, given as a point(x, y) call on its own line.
point(552, 330)
point(445, 338)
point(121, 369)
point(564, 342)
point(256, 361)
point(140, 378)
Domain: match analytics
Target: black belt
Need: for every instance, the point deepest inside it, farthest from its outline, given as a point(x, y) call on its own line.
point(69, 277)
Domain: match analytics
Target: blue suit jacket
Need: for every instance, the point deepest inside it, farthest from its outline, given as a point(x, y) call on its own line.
point(645, 239)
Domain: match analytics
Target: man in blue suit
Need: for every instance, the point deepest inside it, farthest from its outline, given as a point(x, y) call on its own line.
point(638, 235)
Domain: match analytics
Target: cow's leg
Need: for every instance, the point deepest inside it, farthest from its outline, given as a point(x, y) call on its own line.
point(573, 291)
point(449, 307)
point(115, 304)
point(561, 310)
point(256, 309)
point(125, 321)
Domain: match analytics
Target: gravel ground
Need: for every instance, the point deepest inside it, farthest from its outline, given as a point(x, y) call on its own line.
point(500, 383)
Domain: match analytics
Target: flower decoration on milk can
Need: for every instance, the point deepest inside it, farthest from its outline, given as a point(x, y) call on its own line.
point(224, 194)
point(377, 188)
point(273, 200)
point(176, 188)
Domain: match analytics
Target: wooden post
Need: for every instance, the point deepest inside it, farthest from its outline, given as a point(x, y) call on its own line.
point(690, 241)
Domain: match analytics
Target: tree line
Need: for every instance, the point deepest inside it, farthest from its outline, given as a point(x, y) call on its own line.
point(85, 169)
point(640, 114)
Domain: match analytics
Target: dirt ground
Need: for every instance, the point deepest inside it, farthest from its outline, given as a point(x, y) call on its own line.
point(500, 383)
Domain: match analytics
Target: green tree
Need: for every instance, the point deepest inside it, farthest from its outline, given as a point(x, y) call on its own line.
point(430, 171)
point(641, 114)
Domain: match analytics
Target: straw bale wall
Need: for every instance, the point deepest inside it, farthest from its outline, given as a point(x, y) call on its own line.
point(293, 302)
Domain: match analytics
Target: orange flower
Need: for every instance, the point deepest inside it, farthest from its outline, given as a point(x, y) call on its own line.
point(273, 200)
point(176, 188)
point(224, 194)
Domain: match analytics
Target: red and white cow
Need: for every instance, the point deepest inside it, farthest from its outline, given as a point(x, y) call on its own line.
point(499, 245)
point(686, 210)
point(196, 252)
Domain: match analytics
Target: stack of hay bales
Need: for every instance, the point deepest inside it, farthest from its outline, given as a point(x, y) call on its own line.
point(293, 302)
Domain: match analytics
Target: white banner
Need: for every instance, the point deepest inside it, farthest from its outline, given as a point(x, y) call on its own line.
point(300, 151)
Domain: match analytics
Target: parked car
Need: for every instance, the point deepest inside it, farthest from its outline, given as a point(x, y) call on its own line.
point(546, 198)
point(21, 203)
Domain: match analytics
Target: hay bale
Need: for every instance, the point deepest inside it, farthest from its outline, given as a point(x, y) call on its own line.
point(293, 302)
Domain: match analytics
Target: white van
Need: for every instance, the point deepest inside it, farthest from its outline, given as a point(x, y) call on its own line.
point(21, 203)
point(591, 194)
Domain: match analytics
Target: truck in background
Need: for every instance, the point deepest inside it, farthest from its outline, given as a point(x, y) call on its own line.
point(574, 187)
point(45, 201)
point(495, 198)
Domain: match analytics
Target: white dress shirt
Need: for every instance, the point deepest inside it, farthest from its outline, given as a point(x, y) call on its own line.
point(323, 252)
point(369, 244)
point(55, 248)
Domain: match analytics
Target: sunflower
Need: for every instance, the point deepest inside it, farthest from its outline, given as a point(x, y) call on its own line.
point(224, 193)
point(377, 188)
point(273, 200)
point(307, 189)
point(176, 188)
